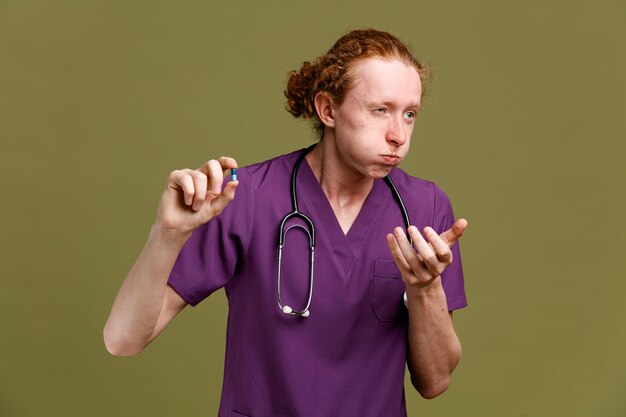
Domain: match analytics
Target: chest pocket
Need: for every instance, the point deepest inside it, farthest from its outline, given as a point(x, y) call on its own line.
point(387, 292)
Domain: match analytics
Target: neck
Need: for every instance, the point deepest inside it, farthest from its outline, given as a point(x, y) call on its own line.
point(345, 188)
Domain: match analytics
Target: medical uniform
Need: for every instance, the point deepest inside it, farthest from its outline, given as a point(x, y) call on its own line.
point(348, 357)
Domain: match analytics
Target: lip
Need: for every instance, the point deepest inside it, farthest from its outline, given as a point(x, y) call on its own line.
point(390, 159)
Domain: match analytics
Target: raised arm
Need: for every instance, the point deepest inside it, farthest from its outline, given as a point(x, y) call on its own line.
point(145, 304)
point(434, 349)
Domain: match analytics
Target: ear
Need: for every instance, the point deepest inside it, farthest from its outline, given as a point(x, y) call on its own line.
point(325, 108)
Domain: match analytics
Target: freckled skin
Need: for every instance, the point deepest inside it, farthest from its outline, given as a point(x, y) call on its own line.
point(376, 117)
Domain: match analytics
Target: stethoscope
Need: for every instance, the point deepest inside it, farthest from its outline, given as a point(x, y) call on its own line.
point(310, 231)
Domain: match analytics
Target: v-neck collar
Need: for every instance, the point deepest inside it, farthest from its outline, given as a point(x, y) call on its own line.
point(345, 247)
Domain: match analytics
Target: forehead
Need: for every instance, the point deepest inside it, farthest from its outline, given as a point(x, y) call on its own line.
point(391, 80)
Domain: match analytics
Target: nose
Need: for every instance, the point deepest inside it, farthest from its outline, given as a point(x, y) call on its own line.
point(397, 132)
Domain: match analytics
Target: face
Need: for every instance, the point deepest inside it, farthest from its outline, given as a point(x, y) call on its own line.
point(373, 125)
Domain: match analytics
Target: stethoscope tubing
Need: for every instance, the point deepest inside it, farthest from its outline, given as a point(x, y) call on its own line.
point(310, 231)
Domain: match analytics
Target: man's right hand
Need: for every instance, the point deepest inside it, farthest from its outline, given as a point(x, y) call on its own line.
point(193, 197)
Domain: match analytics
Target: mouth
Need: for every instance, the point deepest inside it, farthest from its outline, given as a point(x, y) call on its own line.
point(390, 159)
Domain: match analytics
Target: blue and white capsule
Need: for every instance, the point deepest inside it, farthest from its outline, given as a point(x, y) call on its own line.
point(233, 174)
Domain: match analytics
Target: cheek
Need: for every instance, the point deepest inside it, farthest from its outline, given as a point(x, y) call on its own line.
point(357, 122)
point(409, 134)
point(356, 133)
point(370, 130)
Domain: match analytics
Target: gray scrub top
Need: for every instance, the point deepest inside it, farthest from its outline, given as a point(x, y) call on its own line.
point(348, 357)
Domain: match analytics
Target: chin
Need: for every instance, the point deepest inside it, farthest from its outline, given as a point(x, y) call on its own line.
point(380, 171)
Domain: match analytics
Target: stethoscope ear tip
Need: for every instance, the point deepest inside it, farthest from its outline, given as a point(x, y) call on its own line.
point(287, 310)
point(305, 314)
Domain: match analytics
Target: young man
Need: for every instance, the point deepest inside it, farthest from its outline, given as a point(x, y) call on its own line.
point(340, 345)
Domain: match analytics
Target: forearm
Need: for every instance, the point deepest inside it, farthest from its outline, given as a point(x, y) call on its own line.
point(138, 304)
point(434, 349)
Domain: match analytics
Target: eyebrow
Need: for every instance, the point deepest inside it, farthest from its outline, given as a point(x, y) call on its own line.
point(413, 106)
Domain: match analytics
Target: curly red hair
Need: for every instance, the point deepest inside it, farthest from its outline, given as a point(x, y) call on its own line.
point(332, 73)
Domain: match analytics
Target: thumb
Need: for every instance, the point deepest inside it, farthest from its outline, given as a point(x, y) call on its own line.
point(224, 198)
point(453, 234)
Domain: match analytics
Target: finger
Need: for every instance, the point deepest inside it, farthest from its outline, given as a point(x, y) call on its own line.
point(441, 248)
point(427, 253)
point(180, 180)
point(200, 187)
point(412, 258)
point(213, 170)
point(396, 254)
point(227, 163)
point(453, 234)
point(228, 194)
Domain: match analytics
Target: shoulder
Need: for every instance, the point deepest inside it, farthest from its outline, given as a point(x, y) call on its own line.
point(417, 187)
point(271, 171)
point(424, 199)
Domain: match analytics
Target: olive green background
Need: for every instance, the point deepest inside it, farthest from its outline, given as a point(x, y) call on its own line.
point(524, 128)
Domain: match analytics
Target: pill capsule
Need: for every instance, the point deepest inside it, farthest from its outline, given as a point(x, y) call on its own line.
point(233, 174)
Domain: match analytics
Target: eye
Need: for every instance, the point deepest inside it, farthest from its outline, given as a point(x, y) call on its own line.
point(380, 110)
point(410, 115)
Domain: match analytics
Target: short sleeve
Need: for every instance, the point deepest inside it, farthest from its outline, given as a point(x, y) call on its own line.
point(213, 254)
point(452, 278)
